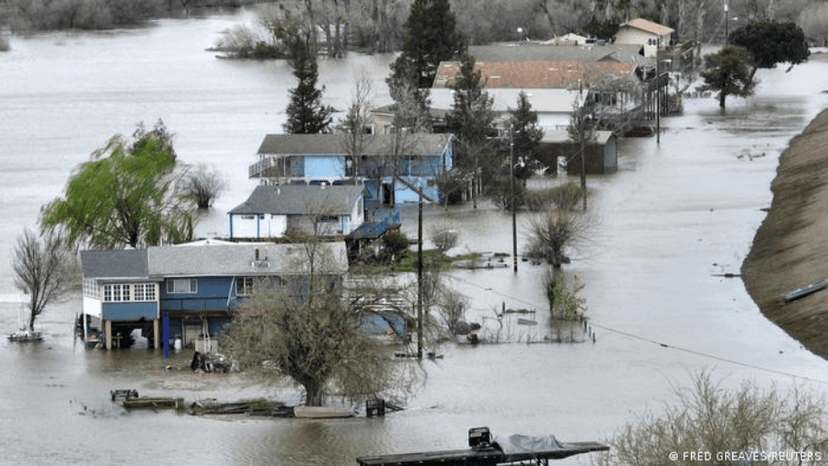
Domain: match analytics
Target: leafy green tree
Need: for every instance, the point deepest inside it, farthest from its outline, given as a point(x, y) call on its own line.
point(526, 134)
point(126, 194)
point(728, 72)
point(429, 38)
point(305, 112)
point(770, 42)
point(41, 270)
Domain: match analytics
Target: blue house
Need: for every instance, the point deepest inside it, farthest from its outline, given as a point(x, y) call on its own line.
point(187, 292)
point(392, 167)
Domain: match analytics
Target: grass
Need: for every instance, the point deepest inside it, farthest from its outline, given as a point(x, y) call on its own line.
point(409, 262)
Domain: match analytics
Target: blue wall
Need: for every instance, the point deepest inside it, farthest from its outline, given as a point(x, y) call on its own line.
point(324, 166)
point(212, 294)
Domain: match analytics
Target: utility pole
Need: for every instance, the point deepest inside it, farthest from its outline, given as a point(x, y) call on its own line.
point(582, 138)
point(420, 275)
point(512, 184)
point(658, 98)
point(726, 24)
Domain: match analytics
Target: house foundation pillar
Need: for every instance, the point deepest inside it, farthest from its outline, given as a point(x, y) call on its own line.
point(108, 333)
point(155, 334)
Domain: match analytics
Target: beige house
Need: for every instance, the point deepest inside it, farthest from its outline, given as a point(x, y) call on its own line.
point(639, 31)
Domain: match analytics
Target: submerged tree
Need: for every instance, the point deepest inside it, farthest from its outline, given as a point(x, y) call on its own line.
point(552, 232)
point(41, 270)
point(771, 42)
point(202, 185)
point(127, 194)
point(727, 72)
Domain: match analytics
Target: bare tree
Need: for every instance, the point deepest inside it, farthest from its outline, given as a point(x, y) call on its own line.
point(451, 308)
point(444, 237)
point(745, 423)
point(355, 138)
point(41, 270)
point(203, 185)
point(552, 232)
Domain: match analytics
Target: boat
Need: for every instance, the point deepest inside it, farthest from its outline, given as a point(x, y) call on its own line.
point(322, 412)
point(25, 336)
point(489, 450)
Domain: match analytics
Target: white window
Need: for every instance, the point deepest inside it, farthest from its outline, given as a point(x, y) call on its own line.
point(244, 286)
point(90, 288)
point(116, 293)
point(182, 285)
point(143, 292)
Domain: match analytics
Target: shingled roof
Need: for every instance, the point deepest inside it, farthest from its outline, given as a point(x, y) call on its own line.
point(297, 199)
point(244, 259)
point(119, 264)
point(332, 144)
point(535, 74)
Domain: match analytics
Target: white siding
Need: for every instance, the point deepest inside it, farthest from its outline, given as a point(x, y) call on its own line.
point(92, 307)
point(252, 226)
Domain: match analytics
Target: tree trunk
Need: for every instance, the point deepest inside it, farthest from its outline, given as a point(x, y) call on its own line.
point(722, 97)
point(313, 393)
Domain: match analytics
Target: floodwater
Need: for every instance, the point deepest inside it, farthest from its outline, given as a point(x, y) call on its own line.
point(674, 216)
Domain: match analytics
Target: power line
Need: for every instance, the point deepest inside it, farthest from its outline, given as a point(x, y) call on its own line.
point(651, 341)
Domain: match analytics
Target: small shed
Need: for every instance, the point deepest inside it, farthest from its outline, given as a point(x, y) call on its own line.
point(601, 154)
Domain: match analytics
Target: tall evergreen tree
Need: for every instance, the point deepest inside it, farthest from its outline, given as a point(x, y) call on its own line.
point(526, 132)
point(305, 112)
point(471, 118)
point(429, 37)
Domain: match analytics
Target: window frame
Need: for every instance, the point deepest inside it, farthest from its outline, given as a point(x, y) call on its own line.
point(192, 288)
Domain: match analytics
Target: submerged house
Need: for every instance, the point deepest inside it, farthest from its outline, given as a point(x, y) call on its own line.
point(188, 292)
point(271, 211)
point(391, 169)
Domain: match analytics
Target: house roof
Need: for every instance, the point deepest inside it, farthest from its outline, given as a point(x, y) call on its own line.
point(536, 74)
point(240, 259)
point(333, 144)
point(159, 262)
point(115, 264)
point(542, 52)
point(300, 200)
point(562, 136)
point(648, 26)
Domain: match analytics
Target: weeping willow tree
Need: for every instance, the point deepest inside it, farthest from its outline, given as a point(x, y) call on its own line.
point(126, 194)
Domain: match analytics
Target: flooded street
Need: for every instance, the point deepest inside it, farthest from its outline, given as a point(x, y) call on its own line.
point(671, 219)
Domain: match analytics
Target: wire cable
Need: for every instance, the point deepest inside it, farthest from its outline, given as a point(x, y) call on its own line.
point(651, 341)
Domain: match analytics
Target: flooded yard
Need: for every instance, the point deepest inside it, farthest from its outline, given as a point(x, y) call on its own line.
point(665, 227)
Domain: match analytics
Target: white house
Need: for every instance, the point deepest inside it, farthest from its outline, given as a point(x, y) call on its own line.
point(271, 211)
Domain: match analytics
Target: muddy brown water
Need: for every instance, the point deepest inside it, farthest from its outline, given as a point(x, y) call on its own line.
point(673, 218)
